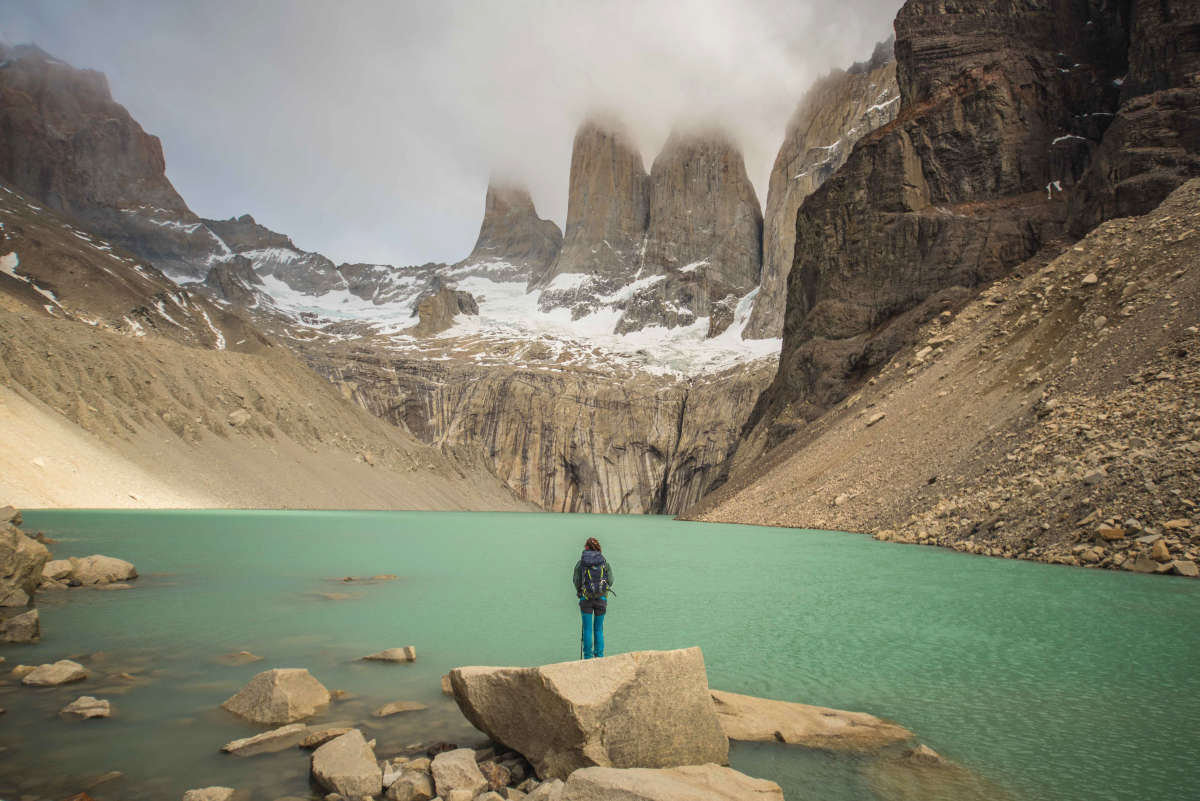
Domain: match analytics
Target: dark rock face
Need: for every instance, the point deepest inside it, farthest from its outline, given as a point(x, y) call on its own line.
point(234, 280)
point(66, 142)
point(513, 241)
point(834, 114)
point(953, 192)
point(1153, 145)
point(437, 309)
point(608, 207)
point(704, 234)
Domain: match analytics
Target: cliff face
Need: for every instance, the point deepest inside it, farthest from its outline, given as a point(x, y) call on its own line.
point(998, 101)
point(608, 206)
point(64, 141)
point(566, 440)
point(834, 114)
point(704, 235)
point(514, 243)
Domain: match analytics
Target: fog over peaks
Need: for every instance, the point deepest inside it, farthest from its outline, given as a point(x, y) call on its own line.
point(369, 130)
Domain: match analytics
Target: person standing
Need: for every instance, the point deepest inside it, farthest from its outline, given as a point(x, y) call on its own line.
point(593, 578)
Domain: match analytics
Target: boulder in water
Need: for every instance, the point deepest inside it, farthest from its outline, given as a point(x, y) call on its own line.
point(744, 717)
point(85, 707)
point(282, 695)
point(396, 707)
point(346, 765)
point(640, 709)
point(25, 627)
point(97, 569)
point(57, 569)
point(21, 563)
point(64, 671)
point(457, 770)
point(215, 794)
point(687, 783)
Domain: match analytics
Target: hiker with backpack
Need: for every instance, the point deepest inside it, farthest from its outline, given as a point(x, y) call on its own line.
point(593, 579)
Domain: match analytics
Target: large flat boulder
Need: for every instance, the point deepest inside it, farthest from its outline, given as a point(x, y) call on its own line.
point(687, 783)
point(86, 707)
point(648, 709)
point(745, 717)
point(346, 765)
point(21, 563)
point(97, 569)
point(268, 742)
point(282, 695)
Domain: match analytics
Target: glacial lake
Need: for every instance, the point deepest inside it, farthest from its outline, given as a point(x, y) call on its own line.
point(1051, 683)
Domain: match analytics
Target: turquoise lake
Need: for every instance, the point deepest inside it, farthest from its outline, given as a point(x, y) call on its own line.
point(1047, 683)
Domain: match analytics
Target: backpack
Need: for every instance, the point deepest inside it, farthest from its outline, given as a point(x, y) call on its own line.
point(595, 581)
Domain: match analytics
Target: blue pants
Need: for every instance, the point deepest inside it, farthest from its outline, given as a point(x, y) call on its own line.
point(593, 635)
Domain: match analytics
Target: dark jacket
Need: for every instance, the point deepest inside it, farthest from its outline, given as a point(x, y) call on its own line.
point(590, 559)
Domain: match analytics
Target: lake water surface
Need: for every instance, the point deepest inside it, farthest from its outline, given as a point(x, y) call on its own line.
point(1052, 683)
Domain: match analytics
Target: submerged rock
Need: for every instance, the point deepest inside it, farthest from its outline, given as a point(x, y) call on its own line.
point(317, 737)
point(268, 742)
point(687, 783)
point(641, 709)
point(346, 765)
point(215, 794)
point(457, 771)
point(744, 717)
point(282, 695)
point(396, 707)
point(85, 707)
point(406, 654)
point(64, 671)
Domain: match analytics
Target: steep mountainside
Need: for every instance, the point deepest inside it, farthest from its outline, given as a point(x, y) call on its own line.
point(513, 240)
point(836, 112)
point(1054, 418)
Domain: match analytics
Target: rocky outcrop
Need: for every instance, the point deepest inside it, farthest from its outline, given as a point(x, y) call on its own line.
point(274, 254)
point(689, 783)
point(608, 206)
point(953, 193)
point(235, 281)
point(437, 309)
point(704, 235)
point(567, 440)
point(282, 695)
point(21, 561)
point(744, 717)
point(642, 709)
point(840, 109)
point(514, 244)
point(346, 766)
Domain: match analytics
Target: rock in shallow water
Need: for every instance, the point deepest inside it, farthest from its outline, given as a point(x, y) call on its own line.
point(215, 794)
point(85, 707)
point(744, 717)
point(640, 709)
point(99, 569)
point(346, 765)
point(268, 742)
point(396, 707)
point(282, 695)
point(687, 783)
point(25, 627)
point(406, 654)
point(64, 671)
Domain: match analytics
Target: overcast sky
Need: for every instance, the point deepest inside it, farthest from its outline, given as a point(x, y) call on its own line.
point(368, 130)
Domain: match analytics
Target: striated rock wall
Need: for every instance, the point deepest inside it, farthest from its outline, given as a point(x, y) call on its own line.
point(997, 102)
point(704, 235)
point(512, 236)
point(566, 440)
point(608, 207)
point(834, 114)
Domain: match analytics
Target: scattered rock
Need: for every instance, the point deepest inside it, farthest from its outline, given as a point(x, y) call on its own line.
point(413, 785)
point(282, 695)
point(1143, 564)
point(875, 418)
point(85, 707)
point(396, 707)
point(841, 500)
point(708, 782)
point(1091, 279)
point(215, 794)
point(551, 790)
point(64, 671)
point(457, 770)
point(239, 417)
point(747, 718)
point(346, 765)
point(406, 654)
point(235, 658)
point(1159, 552)
point(447, 688)
point(1179, 524)
point(268, 742)
point(1111, 533)
point(25, 627)
point(1185, 568)
point(498, 776)
point(645, 708)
